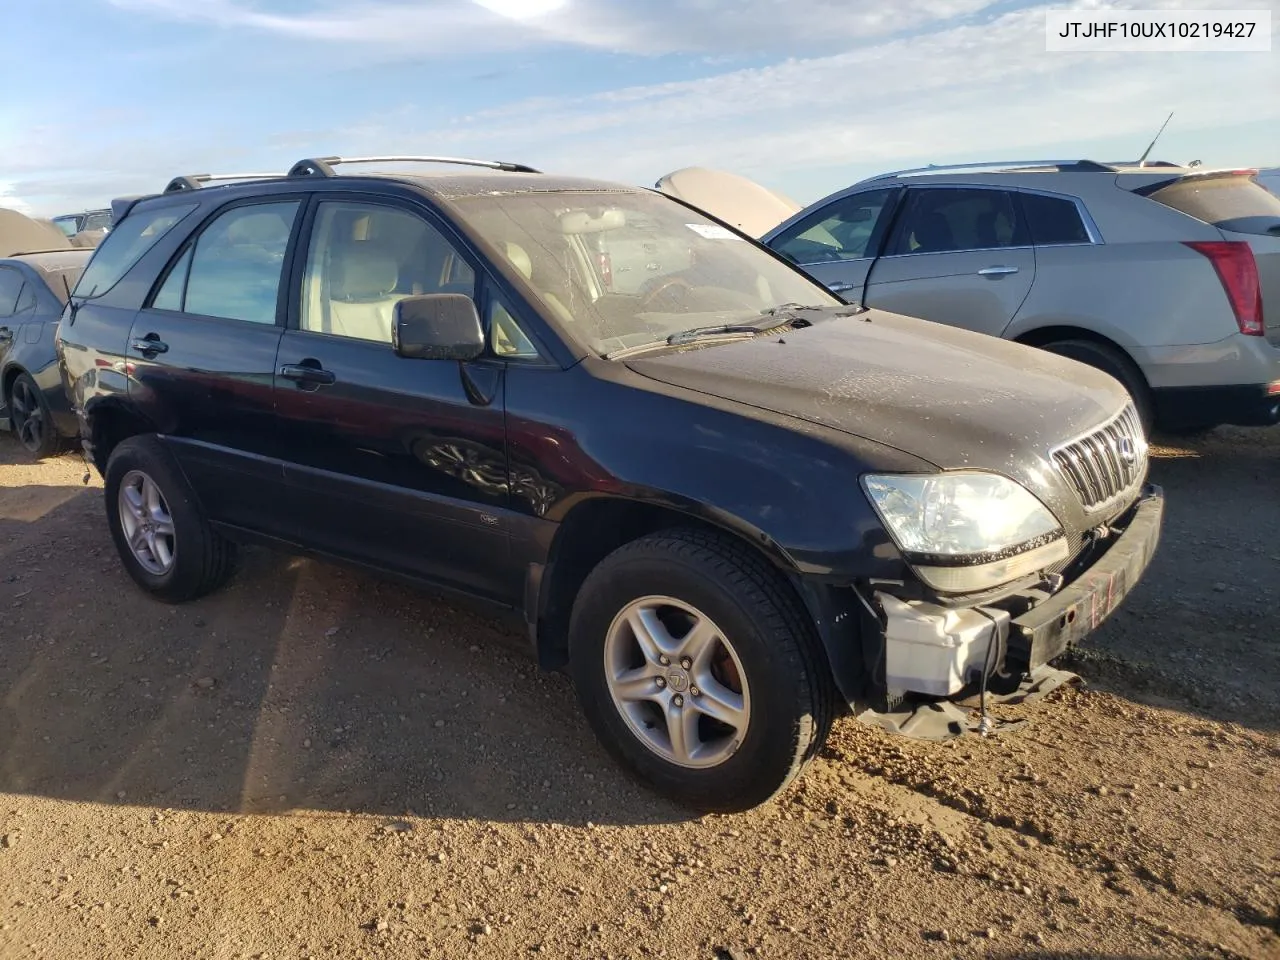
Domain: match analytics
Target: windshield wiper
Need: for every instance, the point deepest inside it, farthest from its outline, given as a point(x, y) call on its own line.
point(839, 309)
point(689, 336)
point(715, 329)
point(788, 308)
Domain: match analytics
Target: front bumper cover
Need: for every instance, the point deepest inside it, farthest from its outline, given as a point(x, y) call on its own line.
point(1048, 629)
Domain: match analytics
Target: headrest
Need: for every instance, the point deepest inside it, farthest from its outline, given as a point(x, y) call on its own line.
point(519, 259)
point(934, 233)
point(359, 273)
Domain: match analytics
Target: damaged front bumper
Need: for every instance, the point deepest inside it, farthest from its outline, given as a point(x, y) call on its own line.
point(937, 651)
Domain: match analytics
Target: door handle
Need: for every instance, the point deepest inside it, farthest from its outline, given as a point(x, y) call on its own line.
point(840, 287)
point(151, 344)
point(301, 373)
point(996, 271)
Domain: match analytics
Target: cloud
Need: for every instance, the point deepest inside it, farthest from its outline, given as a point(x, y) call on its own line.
point(969, 90)
point(10, 201)
point(976, 90)
point(652, 27)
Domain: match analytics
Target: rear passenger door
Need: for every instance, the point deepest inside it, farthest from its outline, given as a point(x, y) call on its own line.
point(957, 255)
point(202, 358)
point(837, 243)
point(400, 463)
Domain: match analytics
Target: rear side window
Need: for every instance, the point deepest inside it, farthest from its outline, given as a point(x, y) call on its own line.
point(952, 219)
point(1221, 201)
point(1053, 220)
point(126, 245)
point(234, 267)
point(10, 289)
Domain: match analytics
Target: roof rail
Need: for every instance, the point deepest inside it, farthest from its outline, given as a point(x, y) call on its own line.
point(323, 166)
point(997, 165)
point(195, 181)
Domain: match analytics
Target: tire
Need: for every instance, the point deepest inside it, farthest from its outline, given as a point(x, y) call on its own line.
point(32, 421)
point(1112, 361)
point(770, 664)
point(182, 558)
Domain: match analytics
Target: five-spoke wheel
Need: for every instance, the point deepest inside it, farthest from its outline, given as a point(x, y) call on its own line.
point(698, 668)
point(677, 681)
point(147, 523)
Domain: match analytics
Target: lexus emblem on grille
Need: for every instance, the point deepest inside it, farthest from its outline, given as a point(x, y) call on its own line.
point(1124, 446)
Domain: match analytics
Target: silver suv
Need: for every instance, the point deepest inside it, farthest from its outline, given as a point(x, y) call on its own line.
point(1156, 274)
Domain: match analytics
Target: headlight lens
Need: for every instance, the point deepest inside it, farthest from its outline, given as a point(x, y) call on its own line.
point(959, 514)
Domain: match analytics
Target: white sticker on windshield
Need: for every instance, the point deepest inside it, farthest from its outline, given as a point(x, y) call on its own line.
point(712, 231)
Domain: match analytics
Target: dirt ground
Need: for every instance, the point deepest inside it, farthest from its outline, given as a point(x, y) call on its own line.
point(313, 763)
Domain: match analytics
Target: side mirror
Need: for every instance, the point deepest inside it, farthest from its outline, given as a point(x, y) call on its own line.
point(437, 326)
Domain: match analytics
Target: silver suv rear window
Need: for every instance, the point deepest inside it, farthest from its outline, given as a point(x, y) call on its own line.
point(1219, 200)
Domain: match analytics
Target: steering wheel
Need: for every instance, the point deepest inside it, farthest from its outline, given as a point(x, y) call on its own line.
point(665, 285)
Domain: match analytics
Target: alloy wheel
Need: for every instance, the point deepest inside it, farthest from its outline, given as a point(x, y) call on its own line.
point(147, 523)
point(28, 416)
point(677, 682)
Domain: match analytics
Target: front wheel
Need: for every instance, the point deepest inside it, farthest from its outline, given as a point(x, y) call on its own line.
point(699, 670)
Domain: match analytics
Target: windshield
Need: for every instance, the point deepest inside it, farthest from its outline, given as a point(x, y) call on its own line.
point(623, 269)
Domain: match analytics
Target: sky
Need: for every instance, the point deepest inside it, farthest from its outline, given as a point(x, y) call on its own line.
point(106, 98)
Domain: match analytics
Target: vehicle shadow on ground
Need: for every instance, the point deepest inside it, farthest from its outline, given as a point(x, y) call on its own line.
point(305, 686)
point(299, 686)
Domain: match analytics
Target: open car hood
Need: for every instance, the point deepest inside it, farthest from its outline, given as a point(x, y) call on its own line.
point(743, 203)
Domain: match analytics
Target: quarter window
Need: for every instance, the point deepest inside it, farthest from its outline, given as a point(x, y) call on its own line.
point(840, 231)
point(506, 339)
point(126, 245)
point(364, 259)
point(946, 220)
point(1053, 220)
point(234, 267)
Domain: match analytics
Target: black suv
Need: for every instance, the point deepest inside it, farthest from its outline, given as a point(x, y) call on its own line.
point(727, 501)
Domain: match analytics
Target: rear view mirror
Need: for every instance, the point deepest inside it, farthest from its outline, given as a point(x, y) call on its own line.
point(577, 222)
point(437, 326)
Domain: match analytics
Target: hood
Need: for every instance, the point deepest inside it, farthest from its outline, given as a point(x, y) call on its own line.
point(743, 203)
point(950, 397)
point(22, 234)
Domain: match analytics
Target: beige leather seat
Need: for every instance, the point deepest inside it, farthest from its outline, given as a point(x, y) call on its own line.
point(361, 302)
point(520, 259)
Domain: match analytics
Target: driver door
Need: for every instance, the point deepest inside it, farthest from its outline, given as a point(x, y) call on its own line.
point(397, 462)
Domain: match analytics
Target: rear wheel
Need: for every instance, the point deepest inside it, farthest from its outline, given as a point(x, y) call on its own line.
point(1111, 361)
point(699, 670)
point(32, 421)
point(162, 536)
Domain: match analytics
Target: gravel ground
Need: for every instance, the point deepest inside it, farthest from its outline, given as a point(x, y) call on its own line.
point(313, 763)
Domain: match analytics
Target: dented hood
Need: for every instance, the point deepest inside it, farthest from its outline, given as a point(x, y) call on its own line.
point(950, 397)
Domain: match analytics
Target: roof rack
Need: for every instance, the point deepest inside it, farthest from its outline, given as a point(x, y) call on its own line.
point(195, 181)
point(323, 166)
point(998, 165)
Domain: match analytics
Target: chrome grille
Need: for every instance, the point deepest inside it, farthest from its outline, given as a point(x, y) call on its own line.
point(1105, 462)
